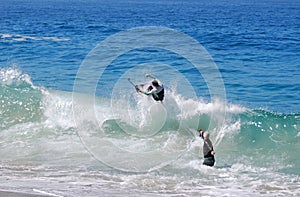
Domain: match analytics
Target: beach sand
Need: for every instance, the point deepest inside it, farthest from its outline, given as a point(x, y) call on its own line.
point(19, 194)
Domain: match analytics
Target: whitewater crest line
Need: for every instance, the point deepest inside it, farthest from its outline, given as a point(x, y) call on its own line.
point(20, 99)
point(31, 115)
point(13, 75)
point(110, 49)
point(19, 38)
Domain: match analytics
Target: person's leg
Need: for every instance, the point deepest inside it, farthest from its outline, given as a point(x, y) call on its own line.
point(209, 161)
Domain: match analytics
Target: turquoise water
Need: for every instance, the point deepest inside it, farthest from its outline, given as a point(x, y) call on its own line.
point(71, 124)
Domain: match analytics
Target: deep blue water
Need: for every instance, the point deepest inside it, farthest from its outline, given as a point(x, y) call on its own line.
point(255, 44)
point(56, 142)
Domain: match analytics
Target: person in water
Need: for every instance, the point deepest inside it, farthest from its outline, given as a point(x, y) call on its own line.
point(208, 150)
point(156, 89)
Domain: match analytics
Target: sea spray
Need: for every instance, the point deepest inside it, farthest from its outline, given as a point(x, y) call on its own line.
point(250, 144)
point(20, 100)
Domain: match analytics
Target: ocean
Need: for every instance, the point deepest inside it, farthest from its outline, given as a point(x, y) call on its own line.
point(72, 124)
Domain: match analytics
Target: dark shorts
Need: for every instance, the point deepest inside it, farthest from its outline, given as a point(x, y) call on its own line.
point(160, 95)
point(209, 161)
point(149, 88)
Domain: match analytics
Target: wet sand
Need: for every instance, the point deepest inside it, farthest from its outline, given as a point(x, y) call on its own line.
point(19, 194)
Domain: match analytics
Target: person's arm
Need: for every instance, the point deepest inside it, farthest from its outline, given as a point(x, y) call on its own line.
point(151, 76)
point(201, 133)
point(148, 75)
point(212, 152)
point(152, 92)
point(148, 93)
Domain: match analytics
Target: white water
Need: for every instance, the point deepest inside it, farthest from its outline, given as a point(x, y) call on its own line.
point(48, 156)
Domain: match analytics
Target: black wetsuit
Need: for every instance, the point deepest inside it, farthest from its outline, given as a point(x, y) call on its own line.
point(158, 93)
point(209, 158)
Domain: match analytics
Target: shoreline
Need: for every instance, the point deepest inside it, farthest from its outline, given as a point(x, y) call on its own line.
point(6, 193)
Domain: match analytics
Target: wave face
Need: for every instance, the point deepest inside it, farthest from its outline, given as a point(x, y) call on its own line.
point(20, 100)
point(38, 132)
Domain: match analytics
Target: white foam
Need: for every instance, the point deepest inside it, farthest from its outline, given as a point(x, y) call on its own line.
point(58, 109)
point(52, 38)
point(13, 74)
point(199, 106)
point(46, 193)
point(3, 36)
point(227, 129)
point(20, 38)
